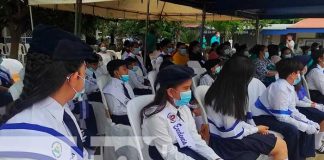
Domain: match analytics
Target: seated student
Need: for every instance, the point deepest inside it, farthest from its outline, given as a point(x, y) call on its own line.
point(310, 109)
point(315, 77)
point(276, 108)
point(135, 81)
point(118, 92)
point(165, 49)
point(286, 53)
point(180, 56)
point(213, 68)
point(231, 136)
point(169, 119)
point(91, 87)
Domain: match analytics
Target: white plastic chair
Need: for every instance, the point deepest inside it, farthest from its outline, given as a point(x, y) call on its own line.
point(199, 71)
point(200, 93)
point(8, 49)
point(101, 119)
point(194, 64)
point(195, 82)
point(134, 108)
point(21, 53)
point(151, 76)
point(102, 82)
point(305, 84)
point(13, 65)
point(27, 46)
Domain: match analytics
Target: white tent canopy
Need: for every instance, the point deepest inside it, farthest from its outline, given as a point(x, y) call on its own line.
point(132, 9)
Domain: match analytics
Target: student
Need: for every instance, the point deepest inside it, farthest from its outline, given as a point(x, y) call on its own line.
point(276, 108)
point(136, 82)
point(91, 87)
point(133, 51)
point(195, 53)
point(165, 49)
point(315, 77)
point(169, 119)
point(286, 53)
point(40, 118)
point(227, 105)
point(181, 56)
point(118, 92)
point(213, 68)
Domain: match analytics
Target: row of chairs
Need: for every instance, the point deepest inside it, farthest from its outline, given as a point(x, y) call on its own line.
point(22, 50)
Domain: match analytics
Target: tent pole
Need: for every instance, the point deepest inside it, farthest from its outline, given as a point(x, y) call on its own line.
point(146, 31)
point(77, 18)
point(31, 18)
point(203, 21)
point(257, 30)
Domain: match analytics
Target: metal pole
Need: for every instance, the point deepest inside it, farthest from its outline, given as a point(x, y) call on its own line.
point(203, 24)
point(257, 30)
point(31, 18)
point(77, 18)
point(146, 30)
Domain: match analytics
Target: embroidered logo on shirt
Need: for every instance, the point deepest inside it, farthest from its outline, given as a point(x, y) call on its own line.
point(172, 117)
point(57, 149)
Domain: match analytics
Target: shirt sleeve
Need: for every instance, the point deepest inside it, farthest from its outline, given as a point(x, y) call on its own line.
point(278, 101)
point(305, 102)
point(319, 81)
point(249, 129)
point(201, 146)
point(159, 129)
point(137, 84)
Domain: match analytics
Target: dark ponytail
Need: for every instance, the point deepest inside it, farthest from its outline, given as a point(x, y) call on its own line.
point(43, 76)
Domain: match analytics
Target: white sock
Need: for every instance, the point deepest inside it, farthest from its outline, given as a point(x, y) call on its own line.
point(318, 140)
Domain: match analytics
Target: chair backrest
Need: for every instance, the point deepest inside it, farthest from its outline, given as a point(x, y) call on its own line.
point(27, 46)
point(2, 48)
point(134, 108)
point(13, 65)
point(151, 76)
point(199, 71)
point(195, 82)
point(8, 48)
point(101, 119)
point(200, 93)
point(194, 64)
point(305, 84)
point(102, 82)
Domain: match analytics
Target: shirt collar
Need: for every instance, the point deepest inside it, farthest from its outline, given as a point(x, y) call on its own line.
point(173, 109)
point(289, 86)
point(53, 107)
point(117, 80)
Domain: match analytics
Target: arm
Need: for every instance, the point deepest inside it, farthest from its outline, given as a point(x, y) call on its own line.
point(305, 102)
point(159, 130)
point(201, 147)
point(137, 84)
point(319, 81)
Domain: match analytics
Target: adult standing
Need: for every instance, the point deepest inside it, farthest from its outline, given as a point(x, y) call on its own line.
point(215, 38)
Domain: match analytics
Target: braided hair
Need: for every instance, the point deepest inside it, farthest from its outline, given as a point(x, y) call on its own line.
point(43, 77)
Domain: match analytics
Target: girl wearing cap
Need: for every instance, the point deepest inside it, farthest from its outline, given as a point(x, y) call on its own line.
point(227, 104)
point(169, 120)
point(213, 68)
point(40, 125)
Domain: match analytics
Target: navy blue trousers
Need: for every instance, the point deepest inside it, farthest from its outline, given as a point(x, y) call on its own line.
point(123, 119)
point(300, 145)
point(5, 99)
point(155, 154)
point(316, 96)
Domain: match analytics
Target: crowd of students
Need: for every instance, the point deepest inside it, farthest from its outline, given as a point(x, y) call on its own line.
point(251, 92)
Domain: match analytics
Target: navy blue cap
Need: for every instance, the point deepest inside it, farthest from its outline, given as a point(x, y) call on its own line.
point(174, 74)
point(58, 44)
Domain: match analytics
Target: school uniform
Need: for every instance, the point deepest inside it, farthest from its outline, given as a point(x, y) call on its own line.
point(156, 63)
point(91, 87)
point(43, 131)
point(206, 79)
point(118, 94)
point(175, 136)
point(276, 108)
point(5, 77)
point(106, 58)
point(235, 139)
point(315, 79)
point(137, 83)
point(140, 62)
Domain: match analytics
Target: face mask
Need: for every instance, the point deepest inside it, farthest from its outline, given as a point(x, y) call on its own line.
point(91, 69)
point(183, 51)
point(135, 68)
point(78, 95)
point(218, 69)
point(136, 50)
point(185, 98)
point(297, 80)
point(124, 78)
point(287, 56)
point(170, 50)
point(246, 53)
point(227, 51)
point(309, 53)
point(279, 53)
point(103, 49)
point(266, 55)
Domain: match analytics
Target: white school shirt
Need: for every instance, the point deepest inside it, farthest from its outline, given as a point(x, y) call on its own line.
point(315, 79)
point(279, 99)
point(90, 85)
point(116, 98)
point(135, 81)
point(140, 59)
point(255, 90)
point(206, 80)
point(156, 63)
point(47, 113)
point(226, 126)
point(158, 127)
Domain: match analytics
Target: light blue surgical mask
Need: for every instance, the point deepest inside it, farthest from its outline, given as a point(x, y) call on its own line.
point(135, 69)
point(78, 95)
point(136, 50)
point(124, 78)
point(170, 50)
point(1, 59)
point(218, 69)
point(183, 51)
point(296, 81)
point(287, 56)
point(91, 69)
point(185, 98)
point(309, 53)
point(266, 55)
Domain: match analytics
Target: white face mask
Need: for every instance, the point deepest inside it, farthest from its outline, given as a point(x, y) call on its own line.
point(246, 53)
point(78, 95)
point(103, 49)
point(287, 56)
point(183, 51)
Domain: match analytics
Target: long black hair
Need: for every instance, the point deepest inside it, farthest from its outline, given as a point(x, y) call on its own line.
point(43, 76)
point(228, 95)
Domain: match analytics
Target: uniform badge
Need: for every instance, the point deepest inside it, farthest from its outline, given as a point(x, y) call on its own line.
point(172, 117)
point(57, 149)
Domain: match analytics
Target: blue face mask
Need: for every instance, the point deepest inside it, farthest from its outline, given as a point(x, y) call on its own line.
point(124, 78)
point(218, 69)
point(78, 95)
point(135, 68)
point(91, 69)
point(309, 53)
point(266, 55)
point(185, 98)
point(297, 80)
point(170, 50)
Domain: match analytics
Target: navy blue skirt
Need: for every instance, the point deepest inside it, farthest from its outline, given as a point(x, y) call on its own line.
point(312, 114)
point(248, 148)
